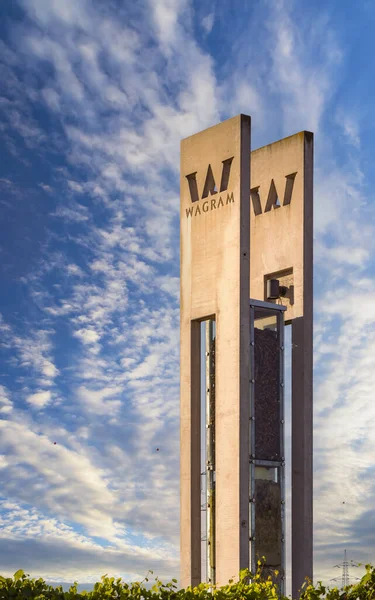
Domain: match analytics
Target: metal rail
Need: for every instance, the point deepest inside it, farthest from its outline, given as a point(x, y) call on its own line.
point(210, 450)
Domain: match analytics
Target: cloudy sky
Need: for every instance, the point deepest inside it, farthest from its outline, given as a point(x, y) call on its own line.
point(94, 99)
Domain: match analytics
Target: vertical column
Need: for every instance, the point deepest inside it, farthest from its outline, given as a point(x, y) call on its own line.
point(190, 460)
point(302, 463)
point(232, 393)
point(215, 245)
point(282, 249)
point(302, 398)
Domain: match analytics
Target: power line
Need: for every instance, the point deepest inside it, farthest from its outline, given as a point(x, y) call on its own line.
point(345, 575)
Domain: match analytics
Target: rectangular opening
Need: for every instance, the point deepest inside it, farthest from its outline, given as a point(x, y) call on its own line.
point(268, 517)
point(286, 280)
point(267, 460)
point(267, 385)
point(208, 475)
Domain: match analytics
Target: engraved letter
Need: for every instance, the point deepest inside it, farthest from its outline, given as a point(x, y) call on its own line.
point(254, 193)
point(225, 174)
point(289, 188)
point(205, 206)
point(193, 188)
point(272, 200)
point(209, 185)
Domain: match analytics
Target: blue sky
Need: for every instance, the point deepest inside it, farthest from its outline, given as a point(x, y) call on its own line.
point(94, 99)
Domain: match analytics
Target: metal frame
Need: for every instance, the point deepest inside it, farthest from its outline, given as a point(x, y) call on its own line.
point(278, 310)
point(210, 455)
point(282, 447)
point(266, 305)
point(252, 564)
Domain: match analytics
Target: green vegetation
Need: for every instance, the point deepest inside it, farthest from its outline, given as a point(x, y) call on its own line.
point(20, 586)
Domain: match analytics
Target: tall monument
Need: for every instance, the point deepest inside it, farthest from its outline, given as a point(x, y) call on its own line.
point(246, 270)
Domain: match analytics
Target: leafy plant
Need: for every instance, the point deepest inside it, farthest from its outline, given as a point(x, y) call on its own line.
point(364, 590)
point(247, 587)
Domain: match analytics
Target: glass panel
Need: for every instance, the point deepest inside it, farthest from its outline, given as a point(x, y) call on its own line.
point(208, 476)
point(267, 473)
point(210, 449)
point(267, 386)
point(266, 443)
point(268, 518)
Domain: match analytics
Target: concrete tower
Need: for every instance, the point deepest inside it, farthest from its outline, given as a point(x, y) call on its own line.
point(242, 240)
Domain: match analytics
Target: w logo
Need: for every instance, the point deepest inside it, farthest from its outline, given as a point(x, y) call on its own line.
point(273, 197)
point(210, 184)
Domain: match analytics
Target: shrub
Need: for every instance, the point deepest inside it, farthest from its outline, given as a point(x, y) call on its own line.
point(364, 590)
point(248, 587)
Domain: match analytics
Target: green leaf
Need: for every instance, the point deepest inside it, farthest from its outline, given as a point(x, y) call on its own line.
point(366, 577)
point(18, 574)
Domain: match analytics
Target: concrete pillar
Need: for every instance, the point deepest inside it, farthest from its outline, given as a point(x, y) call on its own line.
point(282, 248)
point(215, 224)
point(302, 456)
point(190, 457)
point(302, 398)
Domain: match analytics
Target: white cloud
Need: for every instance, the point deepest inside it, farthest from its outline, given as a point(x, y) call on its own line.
point(3, 461)
point(6, 182)
point(69, 13)
point(73, 269)
point(52, 99)
point(6, 405)
point(75, 186)
point(338, 197)
point(87, 336)
point(305, 85)
point(245, 99)
point(32, 353)
point(171, 285)
point(59, 470)
point(100, 402)
point(166, 14)
point(40, 399)
point(208, 22)
point(351, 130)
point(46, 188)
point(49, 369)
point(74, 213)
